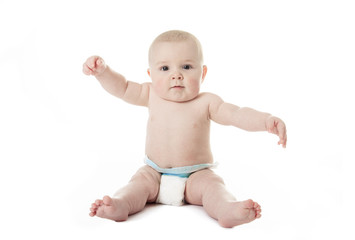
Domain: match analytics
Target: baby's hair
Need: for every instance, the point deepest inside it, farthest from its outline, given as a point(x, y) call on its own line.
point(177, 36)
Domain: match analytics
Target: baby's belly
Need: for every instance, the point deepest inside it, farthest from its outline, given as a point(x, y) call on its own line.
point(167, 152)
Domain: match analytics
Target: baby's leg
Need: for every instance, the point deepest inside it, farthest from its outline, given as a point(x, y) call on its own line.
point(143, 188)
point(207, 189)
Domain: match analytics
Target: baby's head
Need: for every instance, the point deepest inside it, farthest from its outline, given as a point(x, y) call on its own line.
point(176, 36)
point(176, 66)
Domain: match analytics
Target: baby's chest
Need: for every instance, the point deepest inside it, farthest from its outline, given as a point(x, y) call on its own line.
point(182, 116)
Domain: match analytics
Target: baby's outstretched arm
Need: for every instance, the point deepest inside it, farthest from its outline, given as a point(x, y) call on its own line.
point(246, 118)
point(115, 83)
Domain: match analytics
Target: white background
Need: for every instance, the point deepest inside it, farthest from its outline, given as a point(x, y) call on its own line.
point(65, 142)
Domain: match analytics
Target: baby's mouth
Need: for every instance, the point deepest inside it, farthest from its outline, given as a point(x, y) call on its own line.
point(178, 87)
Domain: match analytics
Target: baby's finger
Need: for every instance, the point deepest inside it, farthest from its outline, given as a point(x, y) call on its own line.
point(283, 142)
point(91, 62)
point(99, 62)
point(282, 131)
point(86, 70)
point(100, 65)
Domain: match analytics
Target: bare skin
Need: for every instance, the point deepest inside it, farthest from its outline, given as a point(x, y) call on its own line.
point(179, 123)
point(143, 188)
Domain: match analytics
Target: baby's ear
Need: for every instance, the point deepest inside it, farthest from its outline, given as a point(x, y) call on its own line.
point(148, 71)
point(204, 72)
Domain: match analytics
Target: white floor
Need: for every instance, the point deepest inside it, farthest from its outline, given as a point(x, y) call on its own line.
point(301, 198)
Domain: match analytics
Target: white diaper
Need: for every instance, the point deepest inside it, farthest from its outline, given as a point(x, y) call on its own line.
point(173, 181)
point(172, 190)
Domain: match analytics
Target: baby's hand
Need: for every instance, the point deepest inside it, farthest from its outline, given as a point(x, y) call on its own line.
point(277, 126)
point(94, 65)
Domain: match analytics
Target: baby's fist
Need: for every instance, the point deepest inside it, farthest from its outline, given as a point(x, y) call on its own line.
point(94, 65)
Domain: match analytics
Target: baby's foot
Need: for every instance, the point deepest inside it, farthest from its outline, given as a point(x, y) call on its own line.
point(110, 208)
point(237, 213)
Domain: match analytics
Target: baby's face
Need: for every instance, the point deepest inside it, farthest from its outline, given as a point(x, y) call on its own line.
point(176, 70)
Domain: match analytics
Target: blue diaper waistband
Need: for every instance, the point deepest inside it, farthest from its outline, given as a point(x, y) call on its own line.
point(183, 172)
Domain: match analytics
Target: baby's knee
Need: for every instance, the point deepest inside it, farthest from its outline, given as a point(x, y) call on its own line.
point(204, 179)
point(207, 176)
point(199, 183)
point(148, 175)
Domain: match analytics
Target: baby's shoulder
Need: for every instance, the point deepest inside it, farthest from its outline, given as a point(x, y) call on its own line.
point(210, 97)
point(211, 101)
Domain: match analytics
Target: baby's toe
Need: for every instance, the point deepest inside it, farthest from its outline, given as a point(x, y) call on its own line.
point(92, 211)
point(257, 206)
point(107, 200)
point(248, 204)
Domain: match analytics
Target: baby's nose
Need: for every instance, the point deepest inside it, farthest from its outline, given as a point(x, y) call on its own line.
point(177, 76)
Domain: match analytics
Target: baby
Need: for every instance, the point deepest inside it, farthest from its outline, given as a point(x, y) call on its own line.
point(178, 131)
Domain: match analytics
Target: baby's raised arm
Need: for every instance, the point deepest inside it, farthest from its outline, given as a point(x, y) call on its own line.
point(246, 118)
point(115, 83)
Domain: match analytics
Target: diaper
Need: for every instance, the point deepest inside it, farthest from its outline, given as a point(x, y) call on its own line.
point(173, 181)
point(172, 190)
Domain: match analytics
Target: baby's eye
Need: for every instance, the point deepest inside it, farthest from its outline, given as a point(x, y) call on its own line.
point(186, 67)
point(164, 68)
